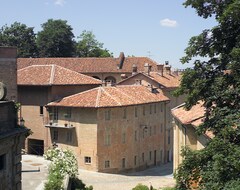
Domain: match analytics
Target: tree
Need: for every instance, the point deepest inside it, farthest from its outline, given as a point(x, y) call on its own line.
point(56, 39)
point(20, 36)
point(88, 46)
point(216, 81)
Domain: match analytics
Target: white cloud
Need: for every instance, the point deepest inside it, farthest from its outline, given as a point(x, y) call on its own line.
point(59, 2)
point(168, 22)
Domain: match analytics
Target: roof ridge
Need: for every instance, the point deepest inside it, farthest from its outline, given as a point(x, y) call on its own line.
point(111, 96)
point(52, 74)
point(80, 74)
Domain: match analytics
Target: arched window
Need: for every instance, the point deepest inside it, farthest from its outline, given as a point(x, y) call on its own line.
point(110, 80)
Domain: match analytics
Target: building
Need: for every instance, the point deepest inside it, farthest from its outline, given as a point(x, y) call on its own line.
point(111, 129)
point(37, 86)
point(8, 71)
point(12, 135)
point(166, 80)
point(110, 70)
point(185, 124)
point(12, 138)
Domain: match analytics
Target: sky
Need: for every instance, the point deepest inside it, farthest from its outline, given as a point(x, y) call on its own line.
point(159, 29)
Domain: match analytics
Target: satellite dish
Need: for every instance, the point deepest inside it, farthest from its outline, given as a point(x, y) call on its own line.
point(3, 91)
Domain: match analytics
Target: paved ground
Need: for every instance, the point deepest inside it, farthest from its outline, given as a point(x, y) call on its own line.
point(35, 173)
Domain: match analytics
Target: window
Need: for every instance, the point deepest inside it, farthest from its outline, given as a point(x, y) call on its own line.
point(138, 81)
point(68, 113)
point(150, 111)
point(41, 110)
point(107, 114)
point(135, 160)
point(155, 108)
point(107, 164)
point(150, 155)
point(142, 157)
point(107, 139)
point(55, 135)
point(135, 135)
point(150, 131)
point(69, 136)
point(136, 112)
point(55, 114)
point(124, 137)
point(123, 163)
point(2, 162)
point(143, 110)
point(124, 113)
point(87, 160)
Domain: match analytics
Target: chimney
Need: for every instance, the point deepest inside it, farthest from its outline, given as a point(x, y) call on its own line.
point(123, 76)
point(167, 67)
point(147, 68)
point(151, 88)
point(121, 60)
point(134, 69)
point(160, 69)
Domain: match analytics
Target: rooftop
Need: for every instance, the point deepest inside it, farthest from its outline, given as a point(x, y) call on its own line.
point(194, 116)
point(91, 64)
point(113, 96)
point(52, 75)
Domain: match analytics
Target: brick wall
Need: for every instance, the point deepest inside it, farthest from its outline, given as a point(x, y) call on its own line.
point(8, 70)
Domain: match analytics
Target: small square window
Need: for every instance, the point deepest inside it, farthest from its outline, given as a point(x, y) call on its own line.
point(107, 114)
point(87, 160)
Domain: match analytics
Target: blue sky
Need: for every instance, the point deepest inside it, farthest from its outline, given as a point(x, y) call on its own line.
point(160, 29)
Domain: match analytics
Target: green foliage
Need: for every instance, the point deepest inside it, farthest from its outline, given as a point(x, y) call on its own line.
point(55, 180)
point(215, 80)
point(64, 160)
point(142, 187)
point(56, 39)
point(77, 184)
point(20, 36)
point(88, 46)
point(169, 188)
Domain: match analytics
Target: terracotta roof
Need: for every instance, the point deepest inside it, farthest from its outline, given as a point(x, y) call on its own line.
point(167, 80)
point(91, 65)
point(113, 96)
point(194, 116)
point(52, 75)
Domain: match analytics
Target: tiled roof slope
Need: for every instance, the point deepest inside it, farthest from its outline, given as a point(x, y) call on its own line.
point(52, 75)
point(167, 80)
point(193, 116)
point(90, 65)
point(113, 96)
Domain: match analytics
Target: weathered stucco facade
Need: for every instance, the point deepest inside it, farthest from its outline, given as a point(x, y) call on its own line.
point(184, 125)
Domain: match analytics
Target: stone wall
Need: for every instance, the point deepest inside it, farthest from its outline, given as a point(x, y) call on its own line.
point(8, 71)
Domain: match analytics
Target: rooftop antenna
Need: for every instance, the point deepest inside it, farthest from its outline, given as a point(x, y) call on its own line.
point(149, 54)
